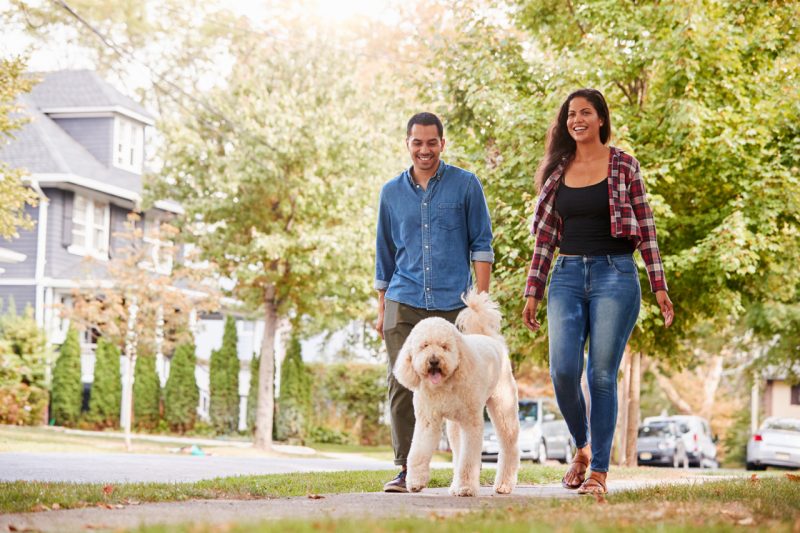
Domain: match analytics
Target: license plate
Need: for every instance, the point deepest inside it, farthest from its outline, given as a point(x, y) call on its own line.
point(782, 456)
point(645, 456)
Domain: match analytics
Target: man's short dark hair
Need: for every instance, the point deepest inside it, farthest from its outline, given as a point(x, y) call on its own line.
point(425, 119)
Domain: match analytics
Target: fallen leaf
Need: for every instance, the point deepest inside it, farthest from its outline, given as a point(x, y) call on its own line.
point(312, 496)
point(793, 477)
point(12, 527)
point(754, 478)
point(105, 505)
point(746, 521)
point(39, 507)
point(134, 502)
point(119, 506)
point(55, 507)
point(108, 489)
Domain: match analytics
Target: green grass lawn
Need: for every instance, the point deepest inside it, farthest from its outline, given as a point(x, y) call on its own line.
point(21, 496)
point(770, 504)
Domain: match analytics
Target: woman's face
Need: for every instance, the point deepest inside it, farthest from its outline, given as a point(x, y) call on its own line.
point(583, 122)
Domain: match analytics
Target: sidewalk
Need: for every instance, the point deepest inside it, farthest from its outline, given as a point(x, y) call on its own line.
point(374, 505)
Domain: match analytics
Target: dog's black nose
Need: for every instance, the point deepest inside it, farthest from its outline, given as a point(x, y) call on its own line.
point(434, 361)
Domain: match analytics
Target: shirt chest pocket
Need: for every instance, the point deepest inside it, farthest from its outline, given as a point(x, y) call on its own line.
point(450, 216)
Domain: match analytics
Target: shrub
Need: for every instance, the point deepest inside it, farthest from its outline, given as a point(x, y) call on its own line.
point(104, 402)
point(252, 395)
point(294, 402)
point(224, 382)
point(181, 394)
point(67, 394)
point(146, 392)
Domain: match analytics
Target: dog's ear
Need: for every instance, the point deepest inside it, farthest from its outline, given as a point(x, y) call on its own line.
point(403, 369)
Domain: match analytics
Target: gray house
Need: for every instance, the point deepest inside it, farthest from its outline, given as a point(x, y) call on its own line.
point(84, 151)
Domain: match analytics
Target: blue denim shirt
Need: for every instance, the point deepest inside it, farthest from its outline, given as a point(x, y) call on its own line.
point(426, 239)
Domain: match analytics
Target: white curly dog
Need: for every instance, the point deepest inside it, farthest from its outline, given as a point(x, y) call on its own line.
point(453, 375)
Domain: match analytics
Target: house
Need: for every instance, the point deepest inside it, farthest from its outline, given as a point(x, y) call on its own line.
point(84, 148)
point(780, 397)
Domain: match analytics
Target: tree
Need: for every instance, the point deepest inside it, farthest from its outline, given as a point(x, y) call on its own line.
point(67, 393)
point(703, 98)
point(294, 402)
point(104, 402)
point(280, 199)
point(224, 381)
point(252, 395)
point(181, 394)
point(15, 194)
point(146, 391)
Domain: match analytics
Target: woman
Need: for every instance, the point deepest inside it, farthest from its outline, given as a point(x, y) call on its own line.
point(592, 207)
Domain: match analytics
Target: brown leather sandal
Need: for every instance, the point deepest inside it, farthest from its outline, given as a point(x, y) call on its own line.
point(593, 485)
point(577, 460)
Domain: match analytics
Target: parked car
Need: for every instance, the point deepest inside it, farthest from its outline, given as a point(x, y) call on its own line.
point(699, 442)
point(776, 443)
point(660, 443)
point(543, 433)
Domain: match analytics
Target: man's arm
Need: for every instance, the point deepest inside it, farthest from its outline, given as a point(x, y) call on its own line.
point(483, 275)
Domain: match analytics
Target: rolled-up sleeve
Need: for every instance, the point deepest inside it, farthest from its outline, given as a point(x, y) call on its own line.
point(479, 224)
point(384, 247)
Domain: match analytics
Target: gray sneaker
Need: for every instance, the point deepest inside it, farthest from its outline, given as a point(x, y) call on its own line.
point(398, 484)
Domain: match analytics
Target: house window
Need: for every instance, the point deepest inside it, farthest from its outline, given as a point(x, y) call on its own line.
point(796, 394)
point(91, 220)
point(128, 145)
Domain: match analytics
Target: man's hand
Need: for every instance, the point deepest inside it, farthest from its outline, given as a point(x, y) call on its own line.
point(529, 314)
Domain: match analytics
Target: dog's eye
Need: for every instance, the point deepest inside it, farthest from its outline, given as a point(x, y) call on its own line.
point(446, 347)
point(424, 345)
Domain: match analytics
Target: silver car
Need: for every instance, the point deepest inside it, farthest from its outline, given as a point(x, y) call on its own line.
point(660, 443)
point(776, 443)
point(543, 434)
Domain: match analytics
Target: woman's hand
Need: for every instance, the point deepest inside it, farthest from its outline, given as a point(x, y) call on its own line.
point(529, 314)
point(666, 307)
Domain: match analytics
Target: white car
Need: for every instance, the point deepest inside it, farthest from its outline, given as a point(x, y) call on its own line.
point(776, 443)
point(543, 434)
point(700, 444)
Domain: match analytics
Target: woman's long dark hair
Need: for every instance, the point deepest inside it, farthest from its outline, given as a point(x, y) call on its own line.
point(559, 145)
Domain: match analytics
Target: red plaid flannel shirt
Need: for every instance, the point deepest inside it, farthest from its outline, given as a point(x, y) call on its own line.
point(631, 218)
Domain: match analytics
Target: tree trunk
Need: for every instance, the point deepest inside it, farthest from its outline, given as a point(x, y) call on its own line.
point(623, 387)
point(710, 386)
point(632, 430)
point(266, 377)
point(127, 387)
point(672, 394)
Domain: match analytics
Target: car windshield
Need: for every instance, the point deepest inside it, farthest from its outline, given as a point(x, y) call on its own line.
point(783, 425)
point(660, 430)
point(528, 411)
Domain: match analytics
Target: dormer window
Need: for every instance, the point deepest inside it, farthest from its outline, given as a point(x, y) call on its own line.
point(128, 144)
point(91, 220)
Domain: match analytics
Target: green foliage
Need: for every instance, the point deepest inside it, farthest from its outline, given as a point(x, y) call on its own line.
point(704, 98)
point(106, 396)
point(252, 395)
point(349, 397)
point(67, 391)
point(146, 391)
point(24, 356)
point(294, 402)
point(181, 394)
point(224, 382)
point(15, 194)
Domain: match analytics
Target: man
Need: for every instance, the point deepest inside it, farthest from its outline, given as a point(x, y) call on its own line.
point(432, 222)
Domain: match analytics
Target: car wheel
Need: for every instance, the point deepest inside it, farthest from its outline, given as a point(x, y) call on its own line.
point(753, 466)
point(542, 456)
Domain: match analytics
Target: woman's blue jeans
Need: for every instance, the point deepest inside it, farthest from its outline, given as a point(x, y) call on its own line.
point(595, 298)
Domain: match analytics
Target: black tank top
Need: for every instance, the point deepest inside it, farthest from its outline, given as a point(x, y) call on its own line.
point(586, 228)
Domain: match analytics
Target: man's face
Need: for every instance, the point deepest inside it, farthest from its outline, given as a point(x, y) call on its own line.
point(425, 146)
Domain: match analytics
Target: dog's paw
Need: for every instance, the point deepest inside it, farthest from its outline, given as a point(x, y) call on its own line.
point(503, 488)
point(416, 483)
point(466, 491)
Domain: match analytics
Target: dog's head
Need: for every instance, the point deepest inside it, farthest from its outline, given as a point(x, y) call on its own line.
point(431, 353)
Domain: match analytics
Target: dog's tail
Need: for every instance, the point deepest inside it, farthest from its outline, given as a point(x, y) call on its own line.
point(481, 316)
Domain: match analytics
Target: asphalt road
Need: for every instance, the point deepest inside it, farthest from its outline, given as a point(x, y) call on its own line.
point(119, 467)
